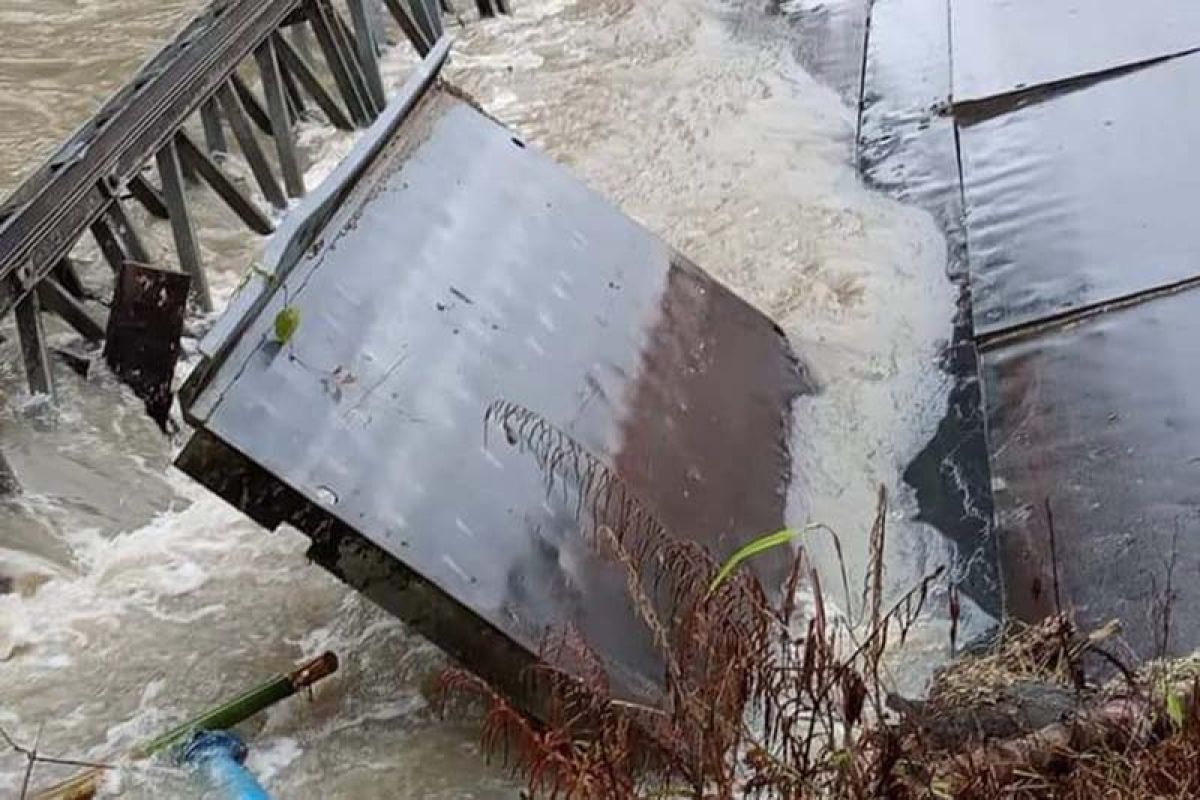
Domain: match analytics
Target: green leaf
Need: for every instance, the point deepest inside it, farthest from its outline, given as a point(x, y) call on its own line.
point(1175, 709)
point(286, 323)
point(754, 548)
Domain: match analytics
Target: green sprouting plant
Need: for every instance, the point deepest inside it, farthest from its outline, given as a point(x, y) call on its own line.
point(1176, 710)
point(748, 551)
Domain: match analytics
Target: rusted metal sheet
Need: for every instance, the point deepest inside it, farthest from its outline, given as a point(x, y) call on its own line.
point(142, 345)
point(485, 348)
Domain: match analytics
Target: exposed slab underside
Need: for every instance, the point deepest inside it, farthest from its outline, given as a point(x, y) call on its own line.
point(1052, 140)
point(483, 343)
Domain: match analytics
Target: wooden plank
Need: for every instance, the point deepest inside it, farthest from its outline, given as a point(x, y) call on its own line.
point(121, 225)
point(337, 61)
point(368, 50)
point(251, 104)
point(149, 196)
point(349, 47)
point(408, 25)
point(186, 244)
point(285, 144)
point(214, 134)
point(58, 300)
point(212, 174)
point(296, 105)
point(251, 149)
point(110, 246)
point(300, 69)
point(67, 275)
point(33, 346)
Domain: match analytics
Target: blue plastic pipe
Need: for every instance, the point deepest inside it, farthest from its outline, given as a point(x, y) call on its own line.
point(217, 757)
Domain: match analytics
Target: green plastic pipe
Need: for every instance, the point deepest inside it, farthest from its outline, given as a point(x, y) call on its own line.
point(223, 717)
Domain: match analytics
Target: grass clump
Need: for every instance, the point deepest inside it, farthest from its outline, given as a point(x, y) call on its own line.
point(760, 700)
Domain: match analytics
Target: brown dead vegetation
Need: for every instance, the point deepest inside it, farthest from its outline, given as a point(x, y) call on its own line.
point(759, 702)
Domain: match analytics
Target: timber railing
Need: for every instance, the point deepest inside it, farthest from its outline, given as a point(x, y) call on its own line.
point(297, 48)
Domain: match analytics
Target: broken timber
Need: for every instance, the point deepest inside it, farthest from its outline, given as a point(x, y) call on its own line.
point(485, 363)
point(86, 185)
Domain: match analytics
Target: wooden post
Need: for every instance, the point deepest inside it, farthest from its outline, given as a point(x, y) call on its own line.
point(250, 147)
point(337, 61)
point(289, 163)
point(110, 248)
point(241, 205)
point(304, 73)
point(33, 346)
point(67, 274)
point(368, 51)
point(150, 198)
point(420, 12)
point(408, 25)
point(301, 42)
point(55, 298)
point(349, 47)
point(214, 134)
point(186, 244)
point(296, 105)
point(125, 231)
point(435, 17)
point(9, 485)
point(251, 105)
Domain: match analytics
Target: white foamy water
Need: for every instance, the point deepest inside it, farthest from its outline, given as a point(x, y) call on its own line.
point(141, 598)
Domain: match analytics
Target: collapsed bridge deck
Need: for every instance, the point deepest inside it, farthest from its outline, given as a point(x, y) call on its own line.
point(484, 363)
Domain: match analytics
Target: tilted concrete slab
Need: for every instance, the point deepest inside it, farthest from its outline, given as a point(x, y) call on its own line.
point(1083, 197)
point(479, 336)
point(1002, 46)
point(1063, 168)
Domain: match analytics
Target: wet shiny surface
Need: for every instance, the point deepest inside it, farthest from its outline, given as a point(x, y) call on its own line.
point(1075, 196)
point(1003, 45)
point(1084, 197)
point(157, 597)
point(1101, 419)
point(467, 270)
point(906, 142)
point(833, 35)
point(907, 147)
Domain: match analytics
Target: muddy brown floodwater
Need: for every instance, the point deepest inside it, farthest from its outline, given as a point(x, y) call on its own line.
point(141, 598)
